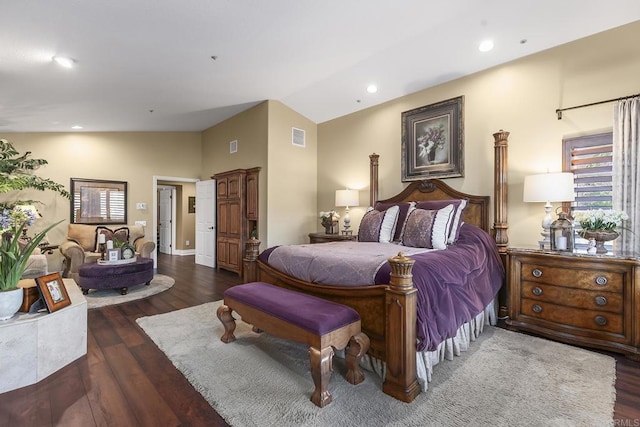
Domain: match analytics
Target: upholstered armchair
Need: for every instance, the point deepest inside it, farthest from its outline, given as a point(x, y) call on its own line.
point(82, 247)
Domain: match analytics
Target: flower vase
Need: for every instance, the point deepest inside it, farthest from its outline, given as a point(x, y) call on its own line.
point(600, 236)
point(330, 227)
point(10, 303)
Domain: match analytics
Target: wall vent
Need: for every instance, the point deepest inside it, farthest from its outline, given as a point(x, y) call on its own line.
point(233, 146)
point(297, 137)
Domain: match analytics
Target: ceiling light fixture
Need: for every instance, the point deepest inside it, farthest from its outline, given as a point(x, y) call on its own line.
point(64, 61)
point(485, 46)
point(76, 127)
point(372, 88)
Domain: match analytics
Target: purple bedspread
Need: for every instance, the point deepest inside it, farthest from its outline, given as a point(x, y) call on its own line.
point(454, 285)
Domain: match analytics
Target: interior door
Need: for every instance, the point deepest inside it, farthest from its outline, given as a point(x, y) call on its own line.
point(164, 222)
point(206, 223)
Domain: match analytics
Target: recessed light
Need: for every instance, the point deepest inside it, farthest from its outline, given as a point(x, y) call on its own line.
point(64, 61)
point(76, 127)
point(485, 46)
point(372, 88)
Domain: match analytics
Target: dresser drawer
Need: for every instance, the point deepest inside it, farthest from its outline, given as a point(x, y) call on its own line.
point(571, 297)
point(596, 280)
point(595, 320)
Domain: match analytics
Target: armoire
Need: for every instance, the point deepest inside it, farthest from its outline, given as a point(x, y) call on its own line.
point(237, 215)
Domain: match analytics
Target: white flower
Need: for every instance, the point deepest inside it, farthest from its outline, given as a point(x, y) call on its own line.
point(329, 214)
point(600, 219)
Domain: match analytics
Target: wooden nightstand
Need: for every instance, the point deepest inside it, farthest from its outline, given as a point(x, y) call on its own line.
point(586, 300)
point(323, 237)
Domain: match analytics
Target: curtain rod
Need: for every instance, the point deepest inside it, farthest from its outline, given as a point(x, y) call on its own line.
point(560, 110)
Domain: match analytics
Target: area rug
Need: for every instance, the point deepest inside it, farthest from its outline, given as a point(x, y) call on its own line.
point(102, 297)
point(506, 378)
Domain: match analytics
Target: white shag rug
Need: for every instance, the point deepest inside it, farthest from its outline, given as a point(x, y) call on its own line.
point(102, 297)
point(505, 379)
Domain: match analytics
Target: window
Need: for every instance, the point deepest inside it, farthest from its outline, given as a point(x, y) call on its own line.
point(590, 158)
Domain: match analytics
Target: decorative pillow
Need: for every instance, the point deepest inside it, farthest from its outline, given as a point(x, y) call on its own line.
point(428, 228)
point(402, 215)
point(458, 205)
point(377, 226)
point(121, 234)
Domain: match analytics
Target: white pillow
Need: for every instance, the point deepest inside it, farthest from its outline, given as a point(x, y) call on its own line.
point(456, 224)
point(441, 227)
point(389, 223)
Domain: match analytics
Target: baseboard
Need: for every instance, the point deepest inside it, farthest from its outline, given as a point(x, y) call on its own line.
point(184, 252)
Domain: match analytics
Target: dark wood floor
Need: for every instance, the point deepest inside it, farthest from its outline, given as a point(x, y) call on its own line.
point(126, 381)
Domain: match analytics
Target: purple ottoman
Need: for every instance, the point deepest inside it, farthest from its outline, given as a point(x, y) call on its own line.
point(299, 317)
point(115, 276)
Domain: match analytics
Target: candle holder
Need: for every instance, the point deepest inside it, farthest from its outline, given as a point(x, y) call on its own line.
point(102, 247)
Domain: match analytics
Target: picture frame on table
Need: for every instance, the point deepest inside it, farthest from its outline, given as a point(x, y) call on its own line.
point(113, 254)
point(433, 141)
point(53, 292)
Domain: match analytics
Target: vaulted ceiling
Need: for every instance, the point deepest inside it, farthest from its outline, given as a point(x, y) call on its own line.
point(166, 65)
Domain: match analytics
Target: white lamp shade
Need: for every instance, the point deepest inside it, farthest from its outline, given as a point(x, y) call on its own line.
point(549, 187)
point(347, 198)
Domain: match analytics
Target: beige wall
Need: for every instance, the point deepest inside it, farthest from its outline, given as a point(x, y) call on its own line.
point(249, 128)
point(134, 157)
point(292, 177)
point(520, 97)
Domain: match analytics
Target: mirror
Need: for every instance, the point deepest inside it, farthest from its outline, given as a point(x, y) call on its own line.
point(96, 201)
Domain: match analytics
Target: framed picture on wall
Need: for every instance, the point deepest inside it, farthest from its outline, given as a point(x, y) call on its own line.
point(433, 141)
point(192, 204)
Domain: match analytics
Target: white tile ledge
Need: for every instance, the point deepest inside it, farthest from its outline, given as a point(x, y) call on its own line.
point(34, 346)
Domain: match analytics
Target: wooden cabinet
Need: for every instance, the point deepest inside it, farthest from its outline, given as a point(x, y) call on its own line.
point(237, 195)
point(324, 237)
point(586, 300)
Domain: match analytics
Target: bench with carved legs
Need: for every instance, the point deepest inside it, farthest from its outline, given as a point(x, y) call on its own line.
point(322, 324)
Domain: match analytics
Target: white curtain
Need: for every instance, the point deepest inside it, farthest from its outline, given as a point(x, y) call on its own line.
point(626, 169)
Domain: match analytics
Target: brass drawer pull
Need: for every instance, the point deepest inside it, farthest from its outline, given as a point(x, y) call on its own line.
point(536, 308)
point(600, 300)
point(536, 291)
point(600, 320)
point(537, 272)
point(601, 280)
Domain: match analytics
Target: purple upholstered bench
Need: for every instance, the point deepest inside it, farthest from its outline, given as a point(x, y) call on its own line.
point(115, 276)
point(303, 318)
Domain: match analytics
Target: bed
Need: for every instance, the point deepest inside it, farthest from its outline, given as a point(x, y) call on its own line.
point(405, 344)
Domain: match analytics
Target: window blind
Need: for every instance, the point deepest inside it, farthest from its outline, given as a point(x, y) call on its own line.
point(590, 158)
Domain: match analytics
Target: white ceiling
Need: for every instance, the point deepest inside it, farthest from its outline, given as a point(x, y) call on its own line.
point(315, 56)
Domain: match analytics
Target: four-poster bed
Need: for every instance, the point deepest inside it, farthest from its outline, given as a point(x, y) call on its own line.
point(389, 311)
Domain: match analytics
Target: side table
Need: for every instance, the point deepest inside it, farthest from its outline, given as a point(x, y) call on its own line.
point(579, 299)
point(324, 237)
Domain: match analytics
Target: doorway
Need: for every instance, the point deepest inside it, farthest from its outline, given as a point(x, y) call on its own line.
point(153, 232)
point(166, 219)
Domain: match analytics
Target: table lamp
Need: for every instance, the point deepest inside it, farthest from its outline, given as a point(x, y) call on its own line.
point(346, 198)
point(547, 188)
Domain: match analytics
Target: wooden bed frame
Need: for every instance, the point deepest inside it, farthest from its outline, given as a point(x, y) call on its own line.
point(388, 312)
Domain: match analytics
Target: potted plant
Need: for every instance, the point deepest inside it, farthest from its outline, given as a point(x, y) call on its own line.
point(14, 257)
point(600, 225)
point(16, 173)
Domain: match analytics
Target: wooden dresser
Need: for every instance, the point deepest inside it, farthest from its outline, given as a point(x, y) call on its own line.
point(237, 215)
point(586, 300)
